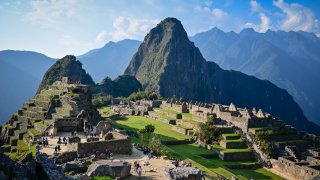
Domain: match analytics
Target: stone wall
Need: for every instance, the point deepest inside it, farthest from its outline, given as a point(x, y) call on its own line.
point(314, 152)
point(313, 160)
point(232, 145)
point(301, 145)
point(298, 170)
point(116, 146)
point(235, 156)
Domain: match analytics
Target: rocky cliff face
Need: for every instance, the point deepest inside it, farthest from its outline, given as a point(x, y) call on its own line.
point(68, 66)
point(169, 64)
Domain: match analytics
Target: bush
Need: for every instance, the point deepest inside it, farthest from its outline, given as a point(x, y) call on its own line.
point(101, 100)
point(142, 95)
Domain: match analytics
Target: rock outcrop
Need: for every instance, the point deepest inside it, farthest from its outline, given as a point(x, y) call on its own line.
point(184, 173)
point(108, 168)
point(168, 63)
point(29, 168)
point(47, 169)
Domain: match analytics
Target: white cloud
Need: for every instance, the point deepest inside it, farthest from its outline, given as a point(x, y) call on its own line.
point(255, 6)
point(265, 21)
point(101, 37)
point(129, 27)
point(297, 17)
point(219, 13)
point(263, 26)
point(48, 12)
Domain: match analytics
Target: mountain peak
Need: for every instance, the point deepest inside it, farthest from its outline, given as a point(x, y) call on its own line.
point(68, 66)
point(248, 31)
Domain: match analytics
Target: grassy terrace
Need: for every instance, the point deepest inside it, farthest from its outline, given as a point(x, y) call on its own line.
point(105, 111)
point(22, 150)
point(162, 129)
point(234, 140)
point(162, 114)
point(40, 123)
point(230, 134)
point(220, 148)
point(35, 132)
point(191, 121)
point(190, 152)
point(168, 111)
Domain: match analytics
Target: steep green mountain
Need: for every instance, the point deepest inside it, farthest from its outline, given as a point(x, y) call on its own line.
point(110, 60)
point(68, 66)
point(20, 75)
point(288, 59)
point(168, 63)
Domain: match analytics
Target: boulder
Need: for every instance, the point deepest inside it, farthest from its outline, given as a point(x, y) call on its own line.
point(109, 168)
point(75, 167)
point(183, 173)
point(48, 168)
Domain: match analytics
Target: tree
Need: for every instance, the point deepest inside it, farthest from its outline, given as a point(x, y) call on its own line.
point(208, 133)
point(148, 129)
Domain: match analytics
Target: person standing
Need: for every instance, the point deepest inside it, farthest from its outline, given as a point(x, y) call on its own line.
point(139, 171)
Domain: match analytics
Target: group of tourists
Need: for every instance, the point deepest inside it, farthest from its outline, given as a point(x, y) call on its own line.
point(138, 168)
point(179, 163)
point(45, 142)
point(223, 178)
point(57, 149)
point(183, 164)
point(64, 139)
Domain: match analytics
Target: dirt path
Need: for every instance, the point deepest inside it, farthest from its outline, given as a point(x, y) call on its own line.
point(151, 168)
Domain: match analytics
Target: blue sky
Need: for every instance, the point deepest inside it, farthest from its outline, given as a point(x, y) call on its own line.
point(60, 27)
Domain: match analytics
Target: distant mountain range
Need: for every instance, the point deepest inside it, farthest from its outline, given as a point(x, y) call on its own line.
point(110, 60)
point(291, 60)
point(20, 76)
point(288, 59)
point(168, 63)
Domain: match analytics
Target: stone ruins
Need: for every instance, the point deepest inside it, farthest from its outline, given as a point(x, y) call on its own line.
point(295, 151)
point(65, 106)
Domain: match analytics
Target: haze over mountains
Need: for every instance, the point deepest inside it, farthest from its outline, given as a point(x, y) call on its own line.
point(20, 76)
point(291, 60)
point(111, 59)
point(21, 71)
point(288, 59)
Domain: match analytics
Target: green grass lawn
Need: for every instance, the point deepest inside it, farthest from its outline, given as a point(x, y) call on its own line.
point(191, 121)
point(106, 111)
point(168, 111)
point(164, 130)
point(187, 115)
point(190, 152)
point(216, 167)
point(220, 148)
